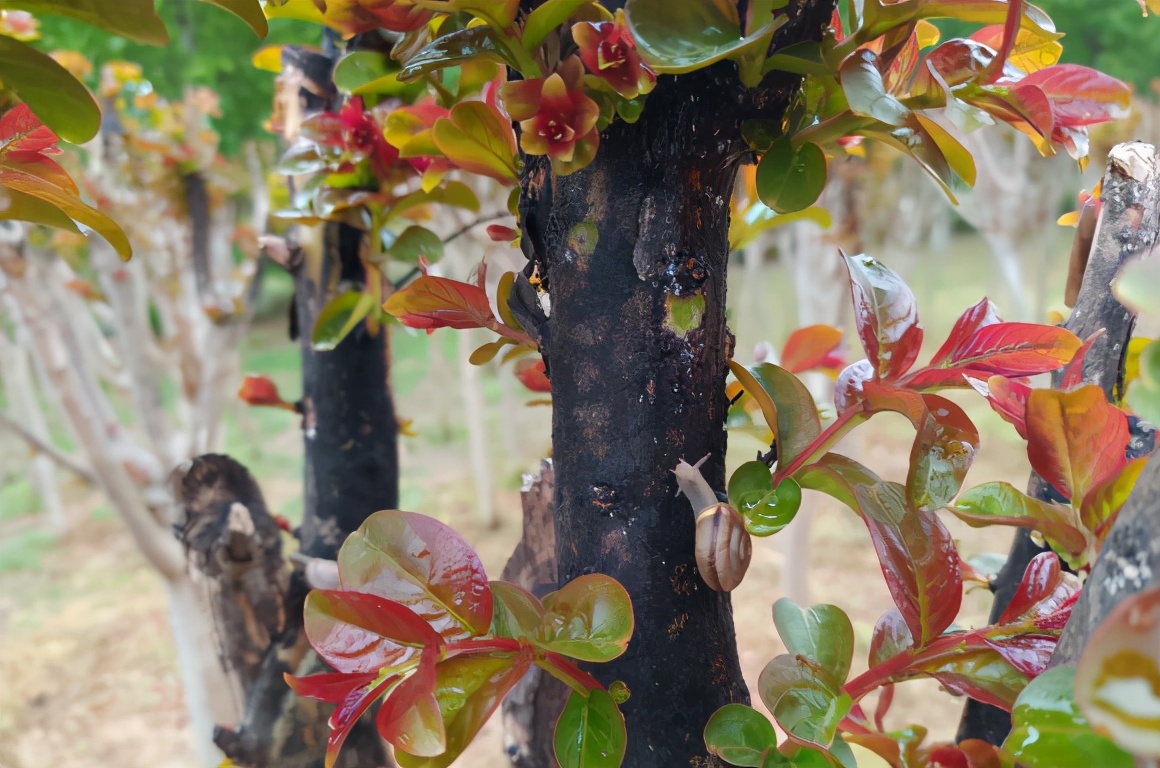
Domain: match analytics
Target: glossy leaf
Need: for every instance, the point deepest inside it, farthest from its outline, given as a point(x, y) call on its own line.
point(57, 98)
point(891, 637)
point(423, 564)
point(814, 346)
point(22, 207)
point(882, 15)
point(477, 139)
point(823, 635)
point(134, 19)
point(249, 11)
point(1080, 95)
point(1002, 349)
point(361, 633)
point(471, 44)
point(944, 446)
point(438, 302)
point(516, 613)
point(1007, 397)
point(1049, 730)
point(866, 93)
point(787, 405)
point(469, 689)
point(765, 509)
point(740, 735)
point(886, 314)
point(532, 374)
point(1075, 439)
point(369, 72)
point(680, 38)
point(1043, 588)
point(590, 618)
point(410, 718)
point(850, 383)
point(982, 673)
point(789, 178)
point(1117, 682)
point(339, 317)
point(807, 707)
point(999, 503)
point(915, 550)
point(590, 732)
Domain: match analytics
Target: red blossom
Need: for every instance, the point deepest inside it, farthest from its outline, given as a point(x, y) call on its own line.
point(353, 17)
point(609, 52)
point(556, 117)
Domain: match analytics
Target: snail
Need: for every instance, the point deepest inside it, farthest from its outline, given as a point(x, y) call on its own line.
point(723, 547)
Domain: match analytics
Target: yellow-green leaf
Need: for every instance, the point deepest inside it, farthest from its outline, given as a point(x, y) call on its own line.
point(70, 205)
point(249, 11)
point(50, 91)
point(134, 19)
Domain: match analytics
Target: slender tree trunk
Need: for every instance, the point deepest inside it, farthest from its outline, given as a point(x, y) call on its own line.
point(633, 251)
point(352, 463)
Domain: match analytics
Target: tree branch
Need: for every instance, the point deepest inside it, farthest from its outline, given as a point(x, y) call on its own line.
point(70, 463)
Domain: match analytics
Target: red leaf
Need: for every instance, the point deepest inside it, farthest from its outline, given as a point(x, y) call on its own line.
point(1075, 439)
point(501, 234)
point(849, 385)
point(983, 674)
point(261, 390)
point(1000, 349)
point(438, 302)
point(886, 314)
point(1042, 576)
point(916, 551)
point(1007, 397)
point(361, 633)
point(22, 133)
point(423, 565)
point(1027, 653)
point(1080, 95)
point(982, 314)
point(1073, 372)
point(410, 719)
point(891, 637)
point(348, 712)
point(810, 347)
point(531, 375)
point(329, 686)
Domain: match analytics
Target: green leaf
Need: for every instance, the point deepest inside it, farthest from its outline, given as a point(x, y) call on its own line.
point(547, 17)
point(804, 58)
point(590, 618)
point(53, 94)
point(472, 44)
point(1049, 731)
point(806, 706)
point(23, 207)
point(787, 405)
point(1144, 393)
point(69, 204)
point(468, 689)
point(478, 140)
point(740, 735)
point(590, 732)
point(822, 634)
point(453, 193)
point(339, 317)
point(249, 11)
point(765, 509)
point(749, 482)
point(866, 93)
point(681, 37)
point(361, 73)
point(134, 19)
point(1138, 285)
point(516, 613)
point(1003, 504)
point(415, 243)
point(791, 179)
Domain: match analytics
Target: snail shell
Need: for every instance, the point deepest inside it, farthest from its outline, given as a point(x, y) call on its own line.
point(723, 547)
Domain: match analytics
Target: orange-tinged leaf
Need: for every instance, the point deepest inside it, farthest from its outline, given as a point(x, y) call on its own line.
point(70, 205)
point(477, 139)
point(531, 374)
point(811, 347)
point(438, 302)
point(1103, 502)
point(1030, 53)
point(1075, 440)
point(1080, 95)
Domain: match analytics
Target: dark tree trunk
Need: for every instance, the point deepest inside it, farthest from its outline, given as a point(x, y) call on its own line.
point(1127, 230)
point(348, 414)
point(624, 247)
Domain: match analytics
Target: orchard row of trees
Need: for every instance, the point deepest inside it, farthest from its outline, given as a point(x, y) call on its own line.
point(615, 132)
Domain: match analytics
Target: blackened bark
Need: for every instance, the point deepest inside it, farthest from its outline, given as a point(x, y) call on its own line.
point(531, 708)
point(348, 413)
point(625, 247)
point(1128, 228)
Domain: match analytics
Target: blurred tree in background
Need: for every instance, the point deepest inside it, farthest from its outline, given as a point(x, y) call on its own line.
point(208, 47)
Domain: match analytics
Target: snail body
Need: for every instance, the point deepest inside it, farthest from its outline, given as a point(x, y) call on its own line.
point(723, 548)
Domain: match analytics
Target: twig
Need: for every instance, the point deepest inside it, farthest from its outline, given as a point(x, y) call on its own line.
point(469, 226)
point(48, 449)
